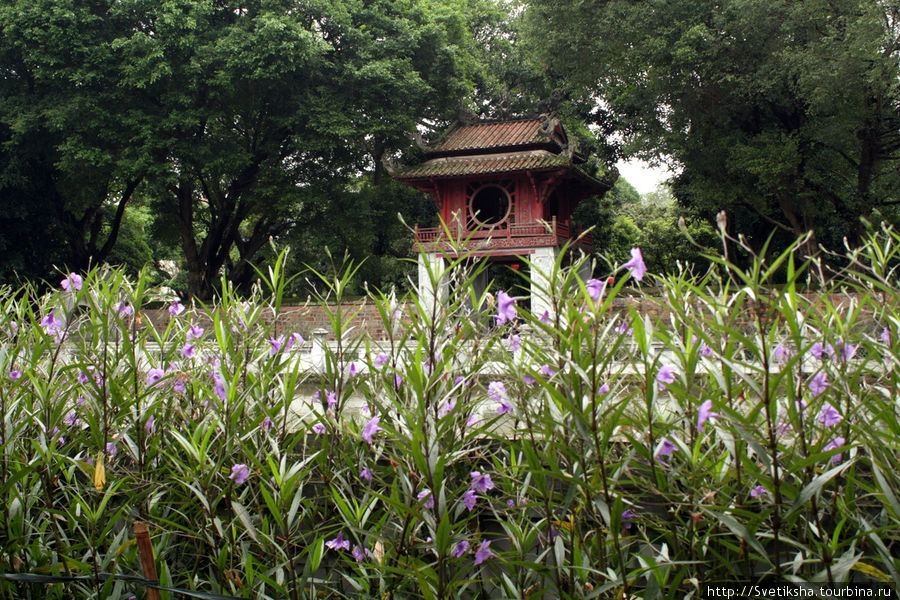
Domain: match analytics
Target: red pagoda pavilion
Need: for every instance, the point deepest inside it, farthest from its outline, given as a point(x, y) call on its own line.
point(508, 187)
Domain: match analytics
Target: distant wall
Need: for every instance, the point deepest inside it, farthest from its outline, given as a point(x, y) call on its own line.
point(366, 320)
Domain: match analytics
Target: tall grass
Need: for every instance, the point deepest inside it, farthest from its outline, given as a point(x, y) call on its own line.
point(741, 431)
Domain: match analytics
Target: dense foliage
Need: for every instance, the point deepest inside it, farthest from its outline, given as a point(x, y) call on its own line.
point(233, 122)
point(787, 114)
point(730, 431)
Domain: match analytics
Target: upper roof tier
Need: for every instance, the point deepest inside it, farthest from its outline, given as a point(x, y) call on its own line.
point(499, 136)
point(500, 147)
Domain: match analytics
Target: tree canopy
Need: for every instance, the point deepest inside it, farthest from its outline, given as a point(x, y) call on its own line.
point(787, 114)
point(134, 130)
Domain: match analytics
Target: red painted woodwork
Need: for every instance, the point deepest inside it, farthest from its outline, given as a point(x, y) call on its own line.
point(521, 178)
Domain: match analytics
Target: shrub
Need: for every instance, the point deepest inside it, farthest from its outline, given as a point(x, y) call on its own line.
point(739, 431)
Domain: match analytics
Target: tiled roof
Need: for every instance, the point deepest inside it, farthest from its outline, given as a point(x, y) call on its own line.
point(509, 134)
point(509, 162)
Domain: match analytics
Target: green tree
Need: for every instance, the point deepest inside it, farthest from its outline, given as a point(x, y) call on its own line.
point(72, 155)
point(784, 113)
point(273, 109)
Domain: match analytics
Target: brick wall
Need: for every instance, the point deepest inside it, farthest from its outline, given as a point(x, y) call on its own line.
point(365, 319)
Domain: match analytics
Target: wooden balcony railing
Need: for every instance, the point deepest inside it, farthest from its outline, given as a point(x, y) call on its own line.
point(543, 229)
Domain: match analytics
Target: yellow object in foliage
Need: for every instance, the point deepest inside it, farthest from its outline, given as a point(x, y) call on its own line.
point(99, 473)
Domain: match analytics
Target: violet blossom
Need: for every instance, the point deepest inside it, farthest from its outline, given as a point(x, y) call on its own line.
point(481, 482)
point(239, 473)
point(665, 376)
point(506, 308)
point(469, 499)
point(704, 414)
point(72, 282)
point(483, 553)
point(819, 383)
point(370, 429)
point(636, 264)
point(460, 549)
point(829, 416)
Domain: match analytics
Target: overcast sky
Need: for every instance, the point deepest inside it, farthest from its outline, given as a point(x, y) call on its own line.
point(641, 175)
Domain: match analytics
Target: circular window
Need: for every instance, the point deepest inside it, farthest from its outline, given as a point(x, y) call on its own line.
point(490, 205)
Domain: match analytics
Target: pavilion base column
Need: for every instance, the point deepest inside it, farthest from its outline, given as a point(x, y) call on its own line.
point(432, 287)
point(542, 263)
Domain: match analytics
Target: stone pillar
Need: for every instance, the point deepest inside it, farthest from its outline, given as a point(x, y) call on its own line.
point(431, 284)
point(542, 263)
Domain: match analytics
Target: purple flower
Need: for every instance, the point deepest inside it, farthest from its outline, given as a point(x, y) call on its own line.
point(15, 375)
point(545, 318)
point(338, 543)
point(219, 387)
point(886, 336)
point(665, 376)
point(294, 338)
point(758, 491)
point(331, 400)
point(469, 499)
point(603, 390)
point(504, 407)
point(847, 352)
point(239, 473)
point(55, 436)
point(496, 391)
point(276, 344)
point(154, 375)
point(472, 421)
point(447, 407)
point(53, 326)
point(547, 371)
point(834, 445)
point(353, 369)
point(71, 419)
point(666, 448)
point(366, 474)
point(360, 553)
point(398, 380)
point(528, 380)
point(783, 353)
point(627, 516)
point(819, 383)
point(150, 425)
point(318, 428)
point(705, 350)
point(176, 308)
point(267, 424)
point(822, 351)
point(623, 329)
point(636, 264)
point(370, 429)
point(428, 498)
point(481, 482)
point(829, 416)
point(483, 553)
point(506, 308)
point(782, 428)
point(381, 359)
point(123, 309)
point(705, 414)
point(513, 343)
point(72, 282)
point(460, 548)
point(195, 332)
point(595, 288)
point(188, 351)
point(112, 449)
